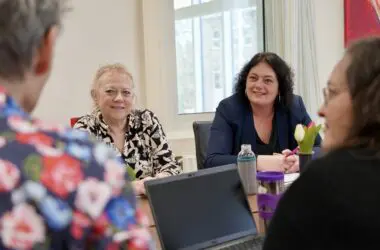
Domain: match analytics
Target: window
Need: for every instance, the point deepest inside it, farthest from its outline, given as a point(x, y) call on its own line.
point(217, 80)
point(214, 39)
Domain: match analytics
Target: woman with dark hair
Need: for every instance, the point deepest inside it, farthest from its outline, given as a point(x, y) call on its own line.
point(335, 203)
point(263, 112)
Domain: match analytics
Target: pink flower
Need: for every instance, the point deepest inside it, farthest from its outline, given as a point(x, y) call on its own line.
point(35, 138)
point(141, 218)
point(100, 226)
point(61, 175)
point(112, 246)
point(49, 151)
point(92, 196)
point(114, 176)
point(9, 176)
point(79, 223)
point(3, 98)
point(48, 127)
point(18, 124)
point(3, 141)
point(311, 124)
point(136, 237)
point(22, 228)
point(139, 238)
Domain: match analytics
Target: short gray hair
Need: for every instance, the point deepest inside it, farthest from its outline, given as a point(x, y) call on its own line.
point(111, 68)
point(23, 25)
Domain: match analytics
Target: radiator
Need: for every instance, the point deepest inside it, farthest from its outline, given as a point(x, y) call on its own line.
point(189, 163)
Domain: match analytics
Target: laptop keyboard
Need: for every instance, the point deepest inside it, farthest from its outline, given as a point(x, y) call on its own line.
point(250, 244)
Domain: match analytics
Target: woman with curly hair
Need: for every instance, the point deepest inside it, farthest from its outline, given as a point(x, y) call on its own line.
point(263, 112)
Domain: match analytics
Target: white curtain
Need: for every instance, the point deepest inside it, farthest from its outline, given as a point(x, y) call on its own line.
point(290, 32)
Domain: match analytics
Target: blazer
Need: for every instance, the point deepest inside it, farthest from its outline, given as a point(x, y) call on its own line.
point(233, 126)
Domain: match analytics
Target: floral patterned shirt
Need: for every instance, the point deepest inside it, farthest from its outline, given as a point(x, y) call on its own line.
point(146, 149)
point(59, 190)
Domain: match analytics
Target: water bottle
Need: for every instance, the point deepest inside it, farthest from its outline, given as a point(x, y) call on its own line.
point(246, 163)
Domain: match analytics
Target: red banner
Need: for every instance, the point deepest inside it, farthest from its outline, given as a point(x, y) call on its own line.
point(361, 19)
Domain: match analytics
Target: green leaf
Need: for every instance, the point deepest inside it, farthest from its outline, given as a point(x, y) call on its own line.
point(128, 190)
point(131, 173)
point(8, 135)
point(60, 145)
point(33, 167)
point(113, 228)
point(43, 245)
point(319, 127)
point(306, 146)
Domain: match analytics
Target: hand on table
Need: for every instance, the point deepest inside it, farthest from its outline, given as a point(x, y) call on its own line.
point(291, 161)
point(138, 185)
point(275, 162)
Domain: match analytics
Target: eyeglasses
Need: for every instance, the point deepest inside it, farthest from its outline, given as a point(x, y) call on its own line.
point(329, 94)
point(326, 95)
point(113, 93)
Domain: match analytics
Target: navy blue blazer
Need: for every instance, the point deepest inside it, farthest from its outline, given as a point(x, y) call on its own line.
point(233, 126)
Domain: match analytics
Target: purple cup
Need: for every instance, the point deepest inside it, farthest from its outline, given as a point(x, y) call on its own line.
point(270, 188)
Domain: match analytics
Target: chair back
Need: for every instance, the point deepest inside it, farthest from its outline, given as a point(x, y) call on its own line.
point(201, 136)
point(74, 120)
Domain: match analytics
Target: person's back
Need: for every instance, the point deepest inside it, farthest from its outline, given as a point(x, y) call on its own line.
point(58, 190)
point(340, 197)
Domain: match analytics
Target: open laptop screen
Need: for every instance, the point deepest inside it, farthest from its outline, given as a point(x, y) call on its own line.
point(200, 209)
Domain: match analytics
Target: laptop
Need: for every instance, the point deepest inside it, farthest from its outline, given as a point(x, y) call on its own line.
point(207, 209)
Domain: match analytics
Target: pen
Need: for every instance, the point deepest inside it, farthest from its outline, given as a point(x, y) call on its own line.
point(294, 151)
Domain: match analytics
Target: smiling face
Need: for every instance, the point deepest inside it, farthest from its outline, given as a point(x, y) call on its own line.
point(262, 85)
point(114, 95)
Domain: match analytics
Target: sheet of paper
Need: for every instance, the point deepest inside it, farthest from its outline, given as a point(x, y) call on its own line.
point(289, 178)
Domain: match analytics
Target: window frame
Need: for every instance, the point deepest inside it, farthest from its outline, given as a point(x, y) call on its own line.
point(199, 12)
point(158, 26)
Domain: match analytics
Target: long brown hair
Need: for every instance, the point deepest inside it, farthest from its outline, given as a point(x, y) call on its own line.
point(363, 79)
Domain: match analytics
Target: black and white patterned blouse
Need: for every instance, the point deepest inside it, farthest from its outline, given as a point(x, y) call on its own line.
point(146, 149)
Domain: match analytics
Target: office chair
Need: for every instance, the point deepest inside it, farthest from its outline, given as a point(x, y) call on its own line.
point(201, 136)
point(74, 120)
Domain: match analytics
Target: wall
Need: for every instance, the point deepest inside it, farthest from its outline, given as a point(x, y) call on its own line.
point(329, 29)
point(160, 73)
point(95, 33)
point(115, 33)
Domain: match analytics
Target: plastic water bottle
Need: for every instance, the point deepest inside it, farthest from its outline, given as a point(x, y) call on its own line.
point(246, 163)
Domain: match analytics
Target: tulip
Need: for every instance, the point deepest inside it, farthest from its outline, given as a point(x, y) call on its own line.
point(305, 137)
point(311, 124)
point(299, 133)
